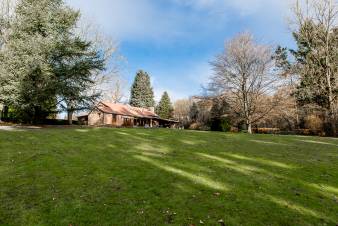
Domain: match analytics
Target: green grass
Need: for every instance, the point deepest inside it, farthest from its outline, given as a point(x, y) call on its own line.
point(166, 177)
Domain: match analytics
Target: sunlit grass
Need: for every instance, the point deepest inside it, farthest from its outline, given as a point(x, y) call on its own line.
point(325, 188)
point(296, 207)
point(266, 142)
point(198, 179)
point(231, 164)
point(261, 161)
point(318, 142)
point(103, 176)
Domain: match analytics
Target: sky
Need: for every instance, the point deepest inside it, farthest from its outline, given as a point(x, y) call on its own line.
point(175, 40)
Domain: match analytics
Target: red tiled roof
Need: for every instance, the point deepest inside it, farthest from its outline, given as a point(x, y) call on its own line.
point(127, 110)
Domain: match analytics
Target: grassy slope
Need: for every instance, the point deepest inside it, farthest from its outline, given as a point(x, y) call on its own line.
point(159, 177)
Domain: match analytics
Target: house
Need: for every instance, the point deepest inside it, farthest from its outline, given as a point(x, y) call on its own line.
point(122, 115)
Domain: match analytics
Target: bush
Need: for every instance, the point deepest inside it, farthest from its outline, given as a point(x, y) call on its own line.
point(220, 124)
point(314, 123)
point(266, 130)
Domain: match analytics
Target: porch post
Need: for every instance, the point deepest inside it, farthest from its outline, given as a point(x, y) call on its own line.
point(151, 123)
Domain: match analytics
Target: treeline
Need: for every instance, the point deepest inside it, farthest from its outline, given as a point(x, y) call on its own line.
point(48, 62)
point(293, 90)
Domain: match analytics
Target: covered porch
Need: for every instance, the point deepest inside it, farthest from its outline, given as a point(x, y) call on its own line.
point(145, 122)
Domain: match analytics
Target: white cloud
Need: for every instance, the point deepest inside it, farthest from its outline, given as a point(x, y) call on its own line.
point(243, 7)
point(130, 19)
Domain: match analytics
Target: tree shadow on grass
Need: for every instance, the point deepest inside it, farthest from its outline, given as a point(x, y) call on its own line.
point(268, 191)
point(275, 170)
point(147, 177)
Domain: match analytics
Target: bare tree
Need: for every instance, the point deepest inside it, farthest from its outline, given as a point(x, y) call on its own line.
point(182, 110)
point(116, 90)
point(323, 14)
point(285, 115)
point(109, 48)
point(243, 72)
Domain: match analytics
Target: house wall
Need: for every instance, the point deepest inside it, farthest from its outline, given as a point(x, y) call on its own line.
point(98, 118)
point(119, 121)
point(108, 119)
point(95, 118)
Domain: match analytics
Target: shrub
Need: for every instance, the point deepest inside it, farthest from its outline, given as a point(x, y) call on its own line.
point(266, 130)
point(314, 123)
point(220, 124)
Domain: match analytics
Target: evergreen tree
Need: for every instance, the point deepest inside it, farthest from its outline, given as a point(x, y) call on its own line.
point(194, 112)
point(29, 85)
point(316, 59)
point(73, 67)
point(218, 118)
point(45, 63)
point(165, 108)
point(142, 94)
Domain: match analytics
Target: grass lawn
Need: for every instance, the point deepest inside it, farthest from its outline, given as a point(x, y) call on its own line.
point(128, 177)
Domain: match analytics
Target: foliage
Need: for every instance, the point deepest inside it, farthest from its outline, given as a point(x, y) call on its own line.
point(142, 94)
point(316, 61)
point(73, 65)
point(219, 115)
point(44, 63)
point(220, 124)
point(219, 108)
point(165, 109)
point(312, 87)
point(194, 111)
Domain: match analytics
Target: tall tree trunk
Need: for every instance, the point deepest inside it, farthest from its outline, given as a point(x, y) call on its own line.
point(70, 117)
point(332, 116)
point(246, 112)
point(332, 110)
point(249, 127)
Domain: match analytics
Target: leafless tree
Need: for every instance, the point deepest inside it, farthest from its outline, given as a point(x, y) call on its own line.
point(116, 90)
point(182, 110)
point(243, 72)
point(285, 115)
point(109, 48)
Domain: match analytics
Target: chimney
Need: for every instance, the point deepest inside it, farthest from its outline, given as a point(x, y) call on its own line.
point(152, 109)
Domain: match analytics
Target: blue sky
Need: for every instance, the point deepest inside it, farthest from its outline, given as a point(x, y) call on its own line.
point(174, 40)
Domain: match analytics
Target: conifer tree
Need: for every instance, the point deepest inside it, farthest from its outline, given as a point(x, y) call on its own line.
point(218, 118)
point(165, 108)
point(194, 112)
point(44, 61)
point(142, 94)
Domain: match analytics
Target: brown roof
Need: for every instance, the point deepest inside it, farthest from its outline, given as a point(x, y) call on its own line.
point(127, 110)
